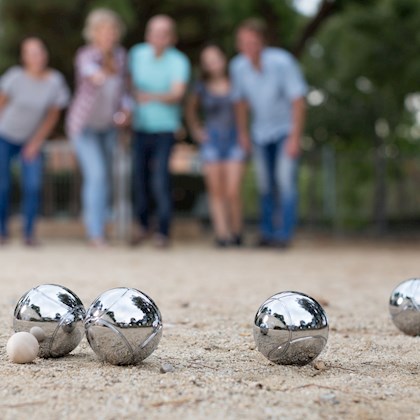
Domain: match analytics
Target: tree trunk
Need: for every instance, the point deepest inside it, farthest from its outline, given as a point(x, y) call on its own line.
point(327, 9)
point(267, 10)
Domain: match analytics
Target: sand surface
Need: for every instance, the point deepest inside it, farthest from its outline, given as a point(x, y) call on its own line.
point(208, 299)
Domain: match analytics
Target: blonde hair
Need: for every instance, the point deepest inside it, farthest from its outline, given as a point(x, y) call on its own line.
point(98, 17)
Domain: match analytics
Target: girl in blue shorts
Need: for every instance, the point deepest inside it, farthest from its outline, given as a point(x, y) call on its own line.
point(222, 155)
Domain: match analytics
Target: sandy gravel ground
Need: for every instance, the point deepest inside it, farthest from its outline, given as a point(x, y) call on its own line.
point(208, 299)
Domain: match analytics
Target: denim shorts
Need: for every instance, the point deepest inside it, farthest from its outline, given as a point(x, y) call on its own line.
point(219, 148)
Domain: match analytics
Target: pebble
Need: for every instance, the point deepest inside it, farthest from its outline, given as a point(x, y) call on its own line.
point(166, 368)
point(22, 347)
point(320, 365)
point(329, 397)
point(38, 333)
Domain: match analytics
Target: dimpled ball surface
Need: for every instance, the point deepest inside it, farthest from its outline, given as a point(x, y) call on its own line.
point(58, 312)
point(123, 326)
point(290, 328)
point(404, 306)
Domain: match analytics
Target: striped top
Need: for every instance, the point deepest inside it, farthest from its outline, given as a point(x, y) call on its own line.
point(88, 61)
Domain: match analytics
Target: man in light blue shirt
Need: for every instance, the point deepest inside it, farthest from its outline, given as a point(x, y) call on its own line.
point(159, 74)
point(269, 85)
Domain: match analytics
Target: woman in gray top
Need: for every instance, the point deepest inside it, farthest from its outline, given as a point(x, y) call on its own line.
point(31, 98)
point(221, 152)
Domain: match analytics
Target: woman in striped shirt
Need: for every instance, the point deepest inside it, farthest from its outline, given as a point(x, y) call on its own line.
point(98, 108)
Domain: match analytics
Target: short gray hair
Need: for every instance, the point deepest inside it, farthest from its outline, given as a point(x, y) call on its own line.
point(100, 16)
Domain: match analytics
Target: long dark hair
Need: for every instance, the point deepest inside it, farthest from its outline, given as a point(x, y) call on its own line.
point(205, 76)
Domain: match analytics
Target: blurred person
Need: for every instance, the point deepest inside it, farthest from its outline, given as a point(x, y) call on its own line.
point(31, 98)
point(269, 86)
point(100, 105)
point(221, 153)
point(159, 74)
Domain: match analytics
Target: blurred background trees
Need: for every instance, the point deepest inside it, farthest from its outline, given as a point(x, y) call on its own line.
point(360, 58)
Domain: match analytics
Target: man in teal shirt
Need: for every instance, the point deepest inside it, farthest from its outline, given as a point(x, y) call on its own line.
point(159, 74)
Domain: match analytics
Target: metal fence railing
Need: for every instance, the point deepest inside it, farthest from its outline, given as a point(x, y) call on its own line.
point(337, 190)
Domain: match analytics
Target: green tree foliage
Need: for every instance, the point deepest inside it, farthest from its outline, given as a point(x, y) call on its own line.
point(365, 63)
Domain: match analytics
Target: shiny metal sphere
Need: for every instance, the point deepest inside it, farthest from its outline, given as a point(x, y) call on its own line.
point(404, 306)
point(290, 328)
point(58, 312)
point(123, 326)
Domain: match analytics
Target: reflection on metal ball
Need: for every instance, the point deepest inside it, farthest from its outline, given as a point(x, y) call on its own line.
point(58, 312)
point(123, 326)
point(404, 306)
point(290, 328)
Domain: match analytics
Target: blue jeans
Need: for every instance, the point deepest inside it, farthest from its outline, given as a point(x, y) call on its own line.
point(277, 183)
point(95, 151)
point(151, 174)
point(31, 186)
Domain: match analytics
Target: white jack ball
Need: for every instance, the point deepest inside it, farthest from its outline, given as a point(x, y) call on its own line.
point(22, 347)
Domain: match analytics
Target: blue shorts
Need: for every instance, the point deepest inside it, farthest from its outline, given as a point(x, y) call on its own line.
point(221, 149)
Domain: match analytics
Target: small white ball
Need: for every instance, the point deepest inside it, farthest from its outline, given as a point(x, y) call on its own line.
point(22, 347)
point(38, 333)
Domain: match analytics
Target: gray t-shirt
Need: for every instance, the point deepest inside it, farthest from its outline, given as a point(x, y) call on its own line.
point(29, 100)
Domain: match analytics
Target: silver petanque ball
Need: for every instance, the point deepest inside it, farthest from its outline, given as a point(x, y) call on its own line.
point(58, 312)
point(404, 306)
point(123, 326)
point(290, 328)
